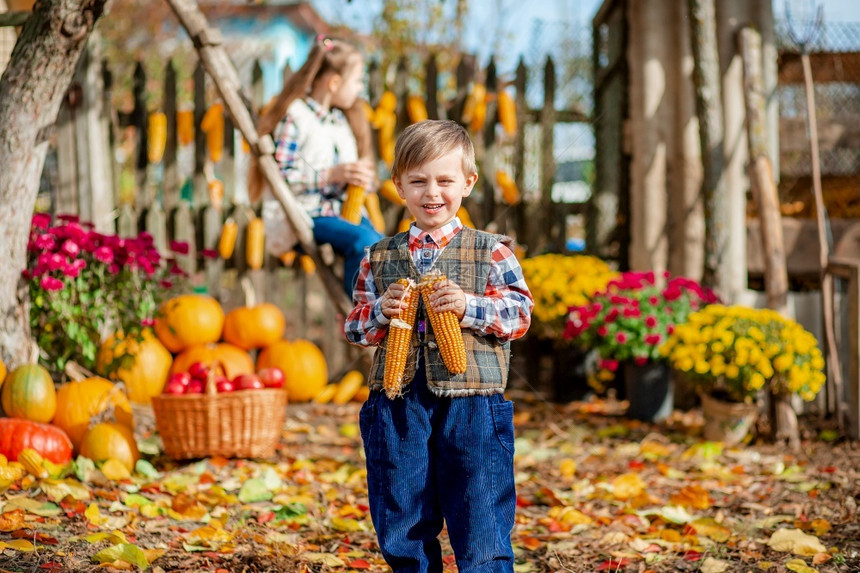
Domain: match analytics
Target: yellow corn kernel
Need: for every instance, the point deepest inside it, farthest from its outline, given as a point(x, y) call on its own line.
point(374, 212)
point(351, 209)
point(400, 342)
point(389, 190)
point(254, 244)
point(446, 329)
point(416, 108)
point(507, 110)
point(156, 136)
point(228, 238)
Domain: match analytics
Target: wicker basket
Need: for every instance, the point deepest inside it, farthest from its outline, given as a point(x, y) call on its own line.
point(241, 424)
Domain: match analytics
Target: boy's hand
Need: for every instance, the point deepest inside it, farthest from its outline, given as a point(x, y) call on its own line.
point(448, 297)
point(393, 303)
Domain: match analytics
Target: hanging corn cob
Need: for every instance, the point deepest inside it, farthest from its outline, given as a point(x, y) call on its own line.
point(446, 329)
point(465, 218)
point(507, 110)
point(416, 108)
point(389, 191)
point(216, 193)
point(228, 238)
point(213, 126)
point(288, 258)
point(400, 341)
point(157, 136)
point(405, 223)
point(374, 212)
point(475, 107)
point(254, 244)
point(351, 209)
point(185, 126)
point(385, 122)
point(510, 191)
point(308, 265)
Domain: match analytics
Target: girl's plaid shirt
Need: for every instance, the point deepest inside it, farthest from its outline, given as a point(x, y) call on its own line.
point(504, 310)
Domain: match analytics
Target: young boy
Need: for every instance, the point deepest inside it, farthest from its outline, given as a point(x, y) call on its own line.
point(443, 449)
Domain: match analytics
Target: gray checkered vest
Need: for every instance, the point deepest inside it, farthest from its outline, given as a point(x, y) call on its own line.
point(467, 261)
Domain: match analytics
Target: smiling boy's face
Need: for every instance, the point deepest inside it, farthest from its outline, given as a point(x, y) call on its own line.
point(435, 190)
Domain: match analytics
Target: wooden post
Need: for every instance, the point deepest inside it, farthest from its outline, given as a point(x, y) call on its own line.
point(706, 78)
point(200, 194)
point(139, 121)
point(431, 79)
point(544, 233)
point(171, 183)
point(849, 270)
point(761, 174)
point(521, 223)
point(489, 153)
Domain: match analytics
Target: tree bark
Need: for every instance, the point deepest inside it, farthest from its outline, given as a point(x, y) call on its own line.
point(31, 91)
point(706, 77)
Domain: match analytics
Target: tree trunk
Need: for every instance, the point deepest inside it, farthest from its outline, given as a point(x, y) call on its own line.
point(706, 77)
point(51, 43)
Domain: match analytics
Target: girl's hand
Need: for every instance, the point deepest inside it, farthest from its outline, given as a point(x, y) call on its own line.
point(359, 173)
point(449, 297)
point(393, 303)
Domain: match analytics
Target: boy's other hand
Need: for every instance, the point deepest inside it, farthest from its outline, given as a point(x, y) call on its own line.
point(358, 173)
point(448, 297)
point(393, 302)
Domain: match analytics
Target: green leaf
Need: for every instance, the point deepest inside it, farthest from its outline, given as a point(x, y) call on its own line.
point(254, 490)
point(145, 468)
point(125, 552)
point(290, 510)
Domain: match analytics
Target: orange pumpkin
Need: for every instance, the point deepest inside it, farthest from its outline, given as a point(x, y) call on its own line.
point(234, 360)
point(108, 440)
point(187, 320)
point(28, 393)
point(303, 364)
point(79, 401)
point(145, 365)
point(253, 325)
point(2, 373)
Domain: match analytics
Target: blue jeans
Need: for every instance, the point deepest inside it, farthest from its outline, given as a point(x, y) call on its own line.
point(430, 458)
point(348, 240)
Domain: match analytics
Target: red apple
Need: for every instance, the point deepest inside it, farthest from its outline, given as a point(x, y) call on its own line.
point(272, 377)
point(195, 387)
point(224, 386)
point(198, 370)
point(182, 378)
point(174, 387)
point(247, 382)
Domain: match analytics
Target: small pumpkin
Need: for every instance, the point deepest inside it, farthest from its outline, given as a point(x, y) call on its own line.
point(234, 360)
point(111, 441)
point(187, 320)
point(51, 442)
point(147, 367)
point(81, 400)
point(29, 393)
point(2, 373)
point(303, 364)
point(253, 325)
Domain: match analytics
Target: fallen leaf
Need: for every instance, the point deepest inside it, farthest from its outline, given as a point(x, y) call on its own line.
point(12, 520)
point(254, 490)
point(18, 545)
point(710, 528)
point(127, 552)
point(711, 565)
point(115, 470)
point(795, 541)
point(627, 485)
point(800, 566)
point(692, 496)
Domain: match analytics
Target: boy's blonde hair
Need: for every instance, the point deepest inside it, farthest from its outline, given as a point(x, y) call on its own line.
point(428, 140)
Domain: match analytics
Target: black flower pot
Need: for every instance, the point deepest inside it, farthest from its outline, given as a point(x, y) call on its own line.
point(650, 390)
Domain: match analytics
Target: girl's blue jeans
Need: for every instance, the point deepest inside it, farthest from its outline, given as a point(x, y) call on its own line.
point(347, 239)
point(430, 458)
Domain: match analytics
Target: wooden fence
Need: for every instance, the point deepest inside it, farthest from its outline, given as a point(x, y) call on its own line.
point(172, 199)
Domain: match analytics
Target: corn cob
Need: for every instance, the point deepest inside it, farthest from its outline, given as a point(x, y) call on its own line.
point(254, 244)
point(185, 126)
point(399, 342)
point(288, 258)
point(157, 136)
point(416, 108)
point(374, 212)
point(213, 126)
point(465, 218)
point(351, 209)
point(507, 111)
point(405, 223)
point(308, 265)
point(446, 329)
point(510, 191)
point(228, 238)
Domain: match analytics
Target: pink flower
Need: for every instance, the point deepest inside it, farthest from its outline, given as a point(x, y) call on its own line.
point(41, 221)
point(670, 329)
point(44, 242)
point(50, 283)
point(103, 254)
point(653, 300)
point(209, 253)
point(71, 248)
point(147, 322)
point(180, 247)
point(641, 360)
point(611, 316)
point(620, 337)
point(653, 339)
point(602, 330)
point(631, 312)
point(651, 321)
point(608, 364)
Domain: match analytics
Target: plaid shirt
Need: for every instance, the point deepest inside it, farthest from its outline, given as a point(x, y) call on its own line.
point(301, 177)
point(508, 317)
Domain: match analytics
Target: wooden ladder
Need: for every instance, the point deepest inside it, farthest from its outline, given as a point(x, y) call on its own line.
point(209, 45)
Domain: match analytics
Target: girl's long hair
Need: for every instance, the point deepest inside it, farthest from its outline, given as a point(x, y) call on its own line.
point(326, 55)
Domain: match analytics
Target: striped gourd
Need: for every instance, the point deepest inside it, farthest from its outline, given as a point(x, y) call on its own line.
point(399, 342)
point(352, 204)
point(446, 329)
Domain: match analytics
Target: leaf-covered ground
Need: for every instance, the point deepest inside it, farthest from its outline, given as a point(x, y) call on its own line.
point(596, 492)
